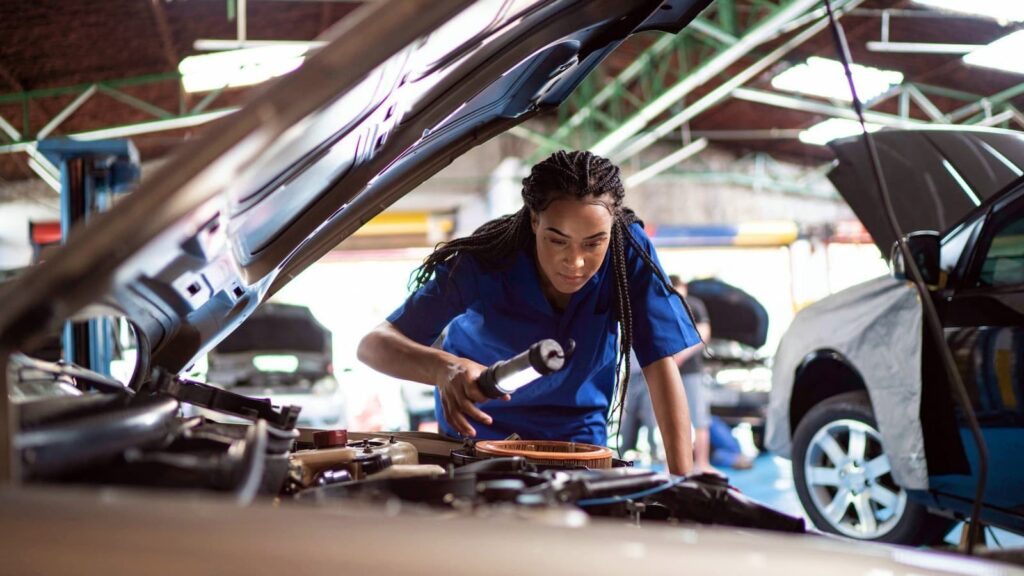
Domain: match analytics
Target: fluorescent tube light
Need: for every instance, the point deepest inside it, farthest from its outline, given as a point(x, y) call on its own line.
point(245, 67)
point(1001, 10)
point(824, 132)
point(1003, 54)
point(212, 44)
point(827, 79)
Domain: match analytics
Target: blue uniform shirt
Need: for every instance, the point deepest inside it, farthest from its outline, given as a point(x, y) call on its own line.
point(494, 314)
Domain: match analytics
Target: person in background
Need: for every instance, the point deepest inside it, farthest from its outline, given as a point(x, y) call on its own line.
point(639, 410)
point(725, 450)
point(691, 368)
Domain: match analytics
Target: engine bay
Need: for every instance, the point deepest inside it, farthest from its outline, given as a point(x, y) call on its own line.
point(135, 437)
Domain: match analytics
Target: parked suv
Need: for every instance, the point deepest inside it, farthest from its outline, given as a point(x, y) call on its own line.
point(860, 401)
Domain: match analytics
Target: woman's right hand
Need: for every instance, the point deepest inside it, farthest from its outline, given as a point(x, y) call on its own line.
point(460, 395)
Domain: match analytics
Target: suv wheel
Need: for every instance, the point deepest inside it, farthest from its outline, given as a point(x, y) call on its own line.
point(844, 480)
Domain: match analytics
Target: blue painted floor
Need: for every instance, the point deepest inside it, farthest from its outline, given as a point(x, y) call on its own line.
point(770, 482)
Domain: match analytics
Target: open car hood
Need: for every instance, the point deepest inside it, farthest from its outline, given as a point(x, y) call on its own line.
point(402, 88)
point(935, 176)
point(732, 313)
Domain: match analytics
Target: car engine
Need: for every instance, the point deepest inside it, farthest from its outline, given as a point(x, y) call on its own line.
point(135, 437)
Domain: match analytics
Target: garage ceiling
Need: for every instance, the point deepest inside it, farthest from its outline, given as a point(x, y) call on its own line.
point(124, 53)
point(936, 85)
point(54, 51)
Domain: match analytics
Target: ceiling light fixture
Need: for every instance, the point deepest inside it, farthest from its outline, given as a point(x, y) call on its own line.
point(1001, 10)
point(217, 44)
point(824, 132)
point(233, 68)
point(1002, 54)
point(827, 79)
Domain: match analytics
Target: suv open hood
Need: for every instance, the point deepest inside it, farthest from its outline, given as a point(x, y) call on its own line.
point(402, 88)
point(733, 314)
point(935, 176)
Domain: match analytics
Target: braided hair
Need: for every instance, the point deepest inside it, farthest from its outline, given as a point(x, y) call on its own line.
point(578, 175)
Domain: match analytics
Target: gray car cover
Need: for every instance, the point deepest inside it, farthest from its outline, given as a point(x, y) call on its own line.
point(877, 327)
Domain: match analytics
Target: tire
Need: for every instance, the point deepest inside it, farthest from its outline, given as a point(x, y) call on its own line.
point(844, 482)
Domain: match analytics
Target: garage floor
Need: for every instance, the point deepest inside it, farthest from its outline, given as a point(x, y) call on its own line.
point(770, 482)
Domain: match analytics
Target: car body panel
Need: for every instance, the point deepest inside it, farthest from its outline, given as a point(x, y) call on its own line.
point(984, 323)
point(867, 325)
point(203, 536)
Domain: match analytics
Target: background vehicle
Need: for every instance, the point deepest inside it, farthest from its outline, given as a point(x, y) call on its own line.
point(860, 401)
point(738, 378)
point(282, 353)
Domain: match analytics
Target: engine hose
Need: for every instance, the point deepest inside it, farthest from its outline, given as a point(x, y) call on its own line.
point(625, 497)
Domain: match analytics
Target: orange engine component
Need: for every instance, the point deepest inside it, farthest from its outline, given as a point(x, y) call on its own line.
point(550, 452)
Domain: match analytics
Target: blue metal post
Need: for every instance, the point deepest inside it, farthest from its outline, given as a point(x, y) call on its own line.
point(90, 174)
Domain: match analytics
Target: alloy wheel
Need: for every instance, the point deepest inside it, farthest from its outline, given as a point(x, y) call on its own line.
point(849, 480)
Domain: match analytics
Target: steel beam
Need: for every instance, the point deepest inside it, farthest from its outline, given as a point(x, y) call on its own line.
point(66, 112)
point(164, 30)
point(819, 107)
point(921, 48)
point(186, 121)
point(987, 101)
point(43, 168)
point(996, 119)
point(926, 104)
point(724, 90)
point(18, 97)
point(944, 92)
point(662, 45)
point(727, 14)
point(7, 128)
point(536, 138)
point(129, 129)
point(754, 134)
point(206, 101)
point(904, 104)
point(765, 30)
point(714, 32)
point(134, 102)
point(800, 188)
point(667, 162)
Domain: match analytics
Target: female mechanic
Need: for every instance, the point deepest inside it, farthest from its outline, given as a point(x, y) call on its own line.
point(572, 263)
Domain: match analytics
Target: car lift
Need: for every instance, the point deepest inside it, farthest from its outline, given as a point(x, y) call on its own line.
point(92, 173)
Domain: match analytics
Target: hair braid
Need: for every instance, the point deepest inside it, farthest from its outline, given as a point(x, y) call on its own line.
point(625, 314)
point(664, 280)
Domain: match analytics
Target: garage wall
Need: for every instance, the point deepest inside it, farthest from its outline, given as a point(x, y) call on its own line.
point(15, 249)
